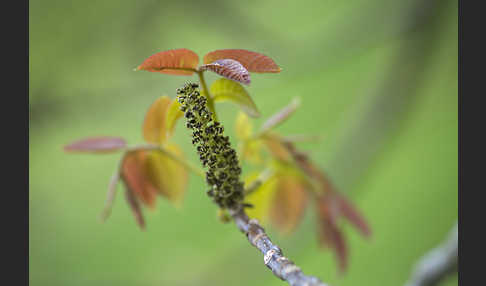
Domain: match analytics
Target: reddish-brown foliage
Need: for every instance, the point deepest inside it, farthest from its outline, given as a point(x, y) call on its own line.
point(252, 61)
point(176, 62)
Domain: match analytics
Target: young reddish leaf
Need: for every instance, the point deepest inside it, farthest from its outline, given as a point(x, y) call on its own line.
point(341, 204)
point(230, 69)
point(135, 177)
point(173, 114)
point(280, 116)
point(252, 61)
point(289, 204)
point(308, 167)
point(344, 206)
point(224, 90)
point(135, 207)
point(103, 144)
point(154, 125)
point(275, 146)
point(176, 62)
point(329, 234)
point(352, 215)
point(330, 206)
point(169, 176)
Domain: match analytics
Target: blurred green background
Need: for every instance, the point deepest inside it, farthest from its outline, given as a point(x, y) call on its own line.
point(377, 79)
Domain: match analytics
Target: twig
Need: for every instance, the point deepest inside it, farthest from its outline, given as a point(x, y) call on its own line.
point(273, 257)
point(437, 263)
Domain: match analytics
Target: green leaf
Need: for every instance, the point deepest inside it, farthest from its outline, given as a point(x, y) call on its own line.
point(243, 126)
point(262, 198)
point(250, 150)
point(224, 89)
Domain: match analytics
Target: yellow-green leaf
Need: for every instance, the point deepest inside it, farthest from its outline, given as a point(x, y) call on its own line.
point(173, 114)
point(250, 150)
point(261, 198)
point(154, 125)
point(169, 176)
point(227, 90)
point(243, 127)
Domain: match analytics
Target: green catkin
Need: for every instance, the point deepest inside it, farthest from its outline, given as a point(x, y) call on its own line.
point(214, 149)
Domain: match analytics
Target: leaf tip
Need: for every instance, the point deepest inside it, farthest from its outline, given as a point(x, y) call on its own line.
point(296, 101)
point(246, 79)
point(103, 216)
point(342, 269)
point(367, 233)
point(69, 148)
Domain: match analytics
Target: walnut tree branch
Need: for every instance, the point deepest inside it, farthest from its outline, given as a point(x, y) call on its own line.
point(226, 188)
point(273, 257)
point(437, 263)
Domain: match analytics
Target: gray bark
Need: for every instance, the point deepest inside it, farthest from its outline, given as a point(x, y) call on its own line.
point(438, 263)
point(273, 257)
